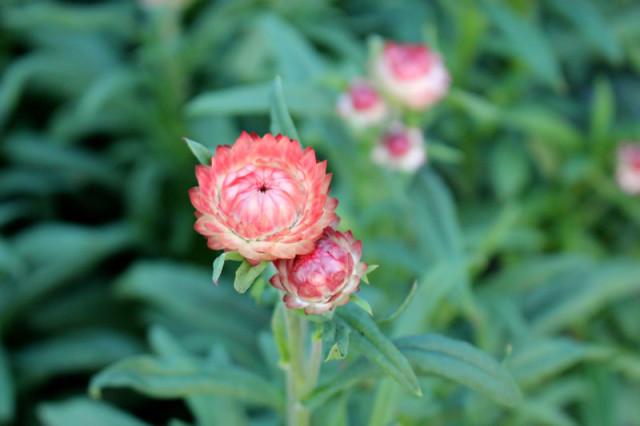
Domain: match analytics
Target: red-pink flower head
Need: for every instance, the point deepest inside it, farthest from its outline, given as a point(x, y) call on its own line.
point(263, 197)
point(413, 74)
point(361, 106)
point(628, 168)
point(323, 279)
point(401, 148)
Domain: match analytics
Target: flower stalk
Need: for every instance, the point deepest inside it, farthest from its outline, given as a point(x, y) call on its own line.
point(297, 414)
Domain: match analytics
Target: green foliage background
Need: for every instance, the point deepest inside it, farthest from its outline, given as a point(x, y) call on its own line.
point(516, 233)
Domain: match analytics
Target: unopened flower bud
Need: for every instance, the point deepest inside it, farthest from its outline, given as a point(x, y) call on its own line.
point(401, 148)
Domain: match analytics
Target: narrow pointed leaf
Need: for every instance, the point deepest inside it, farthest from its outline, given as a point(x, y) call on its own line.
point(281, 121)
point(202, 153)
point(378, 348)
point(246, 275)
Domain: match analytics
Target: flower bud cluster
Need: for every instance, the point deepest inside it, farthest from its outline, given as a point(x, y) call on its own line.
point(404, 79)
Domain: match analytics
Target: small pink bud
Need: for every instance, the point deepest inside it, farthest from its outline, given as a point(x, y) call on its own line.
point(361, 105)
point(323, 279)
point(628, 168)
point(401, 148)
point(264, 197)
point(413, 74)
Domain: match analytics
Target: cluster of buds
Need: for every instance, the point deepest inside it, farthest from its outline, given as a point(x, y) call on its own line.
point(404, 78)
point(268, 199)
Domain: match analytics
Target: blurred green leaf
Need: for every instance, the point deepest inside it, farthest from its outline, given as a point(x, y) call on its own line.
point(303, 100)
point(463, 363)
point(281, 121)
point(83, 411)
point(162, 379)
point(378, 348)
point(74, 352)
point(509, 169)
point(407, 300)
point(526, 41)
point(590, 21)
point(7, 397)
point(538, 361)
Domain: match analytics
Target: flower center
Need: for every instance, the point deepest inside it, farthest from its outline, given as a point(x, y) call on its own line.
point(409, 61)
point(263, 199)
point(398, 144)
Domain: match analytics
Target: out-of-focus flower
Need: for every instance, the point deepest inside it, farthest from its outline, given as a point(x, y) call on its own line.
point(401, 148)
point(361, 106)
point(412, 73)
point(263, 197)
point(628, 168)
point(323, 279)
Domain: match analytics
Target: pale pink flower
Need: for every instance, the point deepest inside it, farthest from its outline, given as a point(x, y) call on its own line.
point(628, 168)
point(361, 106)
point(263, 197)
point(323, 279)
point(413, 74)
point(401, 148)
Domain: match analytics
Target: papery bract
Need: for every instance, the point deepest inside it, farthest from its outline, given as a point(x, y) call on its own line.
point(361, 106)
point(628, 168)
point(323, 279)
point(263, 197)
point(401, 148)
point(412, 74)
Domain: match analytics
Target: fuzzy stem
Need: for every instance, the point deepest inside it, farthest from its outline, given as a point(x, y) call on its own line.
point(297, 414)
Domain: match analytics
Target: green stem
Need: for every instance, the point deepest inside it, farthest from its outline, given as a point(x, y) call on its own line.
point(297, 414)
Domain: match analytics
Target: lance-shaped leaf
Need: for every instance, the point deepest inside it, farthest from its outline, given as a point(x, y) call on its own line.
point(83, 411)
point(378, 348)
point(201, 152)
point(461, 362)
point(246, 275)
point(164, 379)
point(281, 121)
point(218, 263)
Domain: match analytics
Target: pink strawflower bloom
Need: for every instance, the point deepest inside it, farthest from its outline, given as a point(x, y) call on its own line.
point(401, 148)
point(361, 106)
point(263, 197)
point(323, 279)
point(628, 168)
point(413, 74)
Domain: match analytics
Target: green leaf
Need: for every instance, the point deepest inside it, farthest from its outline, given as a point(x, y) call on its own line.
point(587, 292)
point(302, 100)
point(407, 300)
point(201, 152)
point(461, 362)
point(541, 360)
point(166, 380)
point(526, 42)
point(378, 348)
point(281, 121)
point(603, 109)
point(335, 340)
point(83, 411)
point(7, 397)
point(586, 17)
point(247, 274)
point(218, 263)
point(370, 269)
point(362, 303)
point(73, 352)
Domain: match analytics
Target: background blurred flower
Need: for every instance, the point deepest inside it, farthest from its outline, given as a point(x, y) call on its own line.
point(628, 168)
point(263, 197)
point(412, 73)
point(323, 279)
point(361, 106)
point(401, 148)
